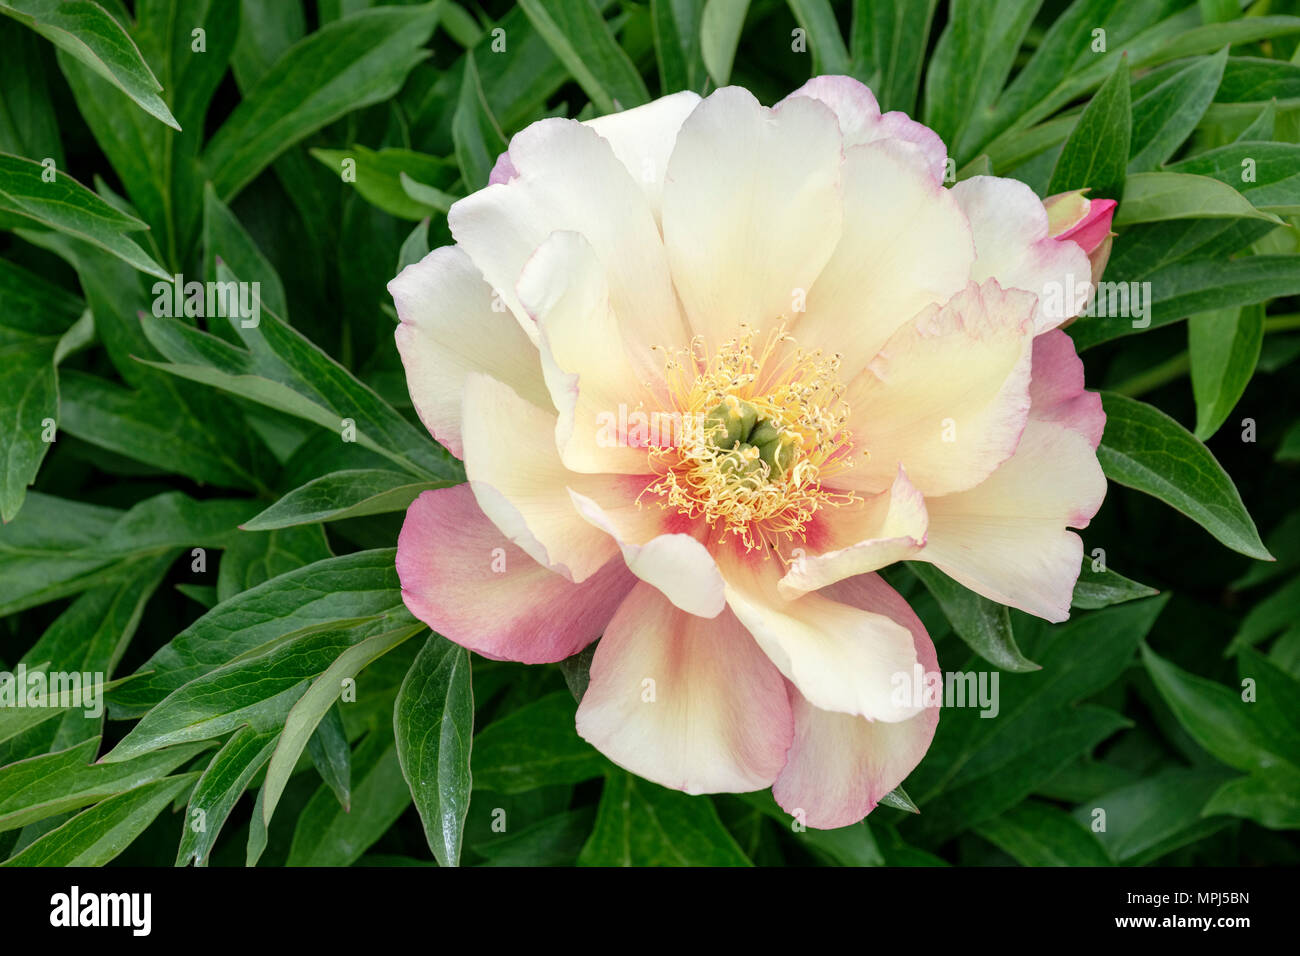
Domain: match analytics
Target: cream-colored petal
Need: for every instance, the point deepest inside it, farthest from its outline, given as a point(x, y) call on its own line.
point(947, 396)
point(1006, 538)
point(450, 329)
point(687, 702)
point(521, 484)
point(751, 210)
point(841, 657)
point(853, 539)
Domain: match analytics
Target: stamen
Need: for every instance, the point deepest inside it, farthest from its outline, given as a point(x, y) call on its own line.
point(764, 431)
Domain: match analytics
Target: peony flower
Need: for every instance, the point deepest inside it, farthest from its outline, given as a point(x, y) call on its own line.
point(710, 366)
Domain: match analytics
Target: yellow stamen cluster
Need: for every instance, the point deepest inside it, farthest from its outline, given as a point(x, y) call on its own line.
point(765, 431)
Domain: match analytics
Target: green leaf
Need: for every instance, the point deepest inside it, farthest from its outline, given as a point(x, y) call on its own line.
point(41, 559)
point(1223, 347)
point(577, 33)
point(96, 836)
point(1184, 288)
point(1145, 449)
point(1150, 818)
point(1166, 116)
point(1103, 588)
point(971, 63)
point(1218, 718)
point(341, 494)
point(477, 134)
point(983, 625)
point(253, 558)
point(353, 587)
point(676, 25)
point(642, 824)
point(979, 767)
point(219, 788)
point(48, 784)
point(535, 746)
point(312, 706)
point(1154, 197)
point(1268, 174)
point(145, 424)
point(89, 33)
point(1096, 153)
point(38, 323)
point(378, 176)
point(260, 689)
point(286, 371)
point(68, 207)
point(326, 835)
point(817, 19)
point(225, 238)
point(331, 755)
point(1038, 834)
point(433, 721)
point(1270, 798)
point(555, 841)
point(1275, 613)
point(720, 25)
point(348, 64)
point(888, 40)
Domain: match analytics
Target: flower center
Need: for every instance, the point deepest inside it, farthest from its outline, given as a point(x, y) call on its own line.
point(761, 433)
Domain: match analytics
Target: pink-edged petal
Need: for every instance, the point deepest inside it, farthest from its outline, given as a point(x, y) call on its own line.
point(947, 397)
point(905, 245)
point(673, 561)
point(1006, 538)
point(448, 330)
point(643, 139)
point(839, 765)
point(464, 579)
point(751, 210)
point(521, 484)
point(861, 121)
point(689, 703)
point(842, 658)
point(1056, 390)
point(863, 536)
point(568, 178)
point(1013, 245)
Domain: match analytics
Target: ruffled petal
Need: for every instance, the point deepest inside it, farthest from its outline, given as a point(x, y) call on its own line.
point(854, 539)
point(1013, 245)
point(689, 703)
point(464, 579)
point(905, 245)
point(947, 397)
point(450, 329)
point(860, 119)
point(839, 765)
point(568, 178)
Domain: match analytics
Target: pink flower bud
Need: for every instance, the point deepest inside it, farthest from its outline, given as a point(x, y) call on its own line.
point(1084, 221)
